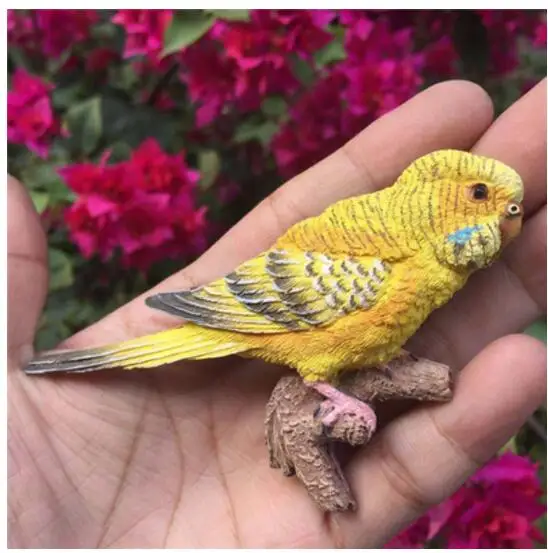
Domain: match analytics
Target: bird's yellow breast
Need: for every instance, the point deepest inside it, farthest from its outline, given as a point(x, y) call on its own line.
point(367, 337)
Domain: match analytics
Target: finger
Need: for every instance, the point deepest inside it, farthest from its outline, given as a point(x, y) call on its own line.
point(452, 114)
point(518, 138)
point(423, 457)
point(512, 293)
point(27, 270)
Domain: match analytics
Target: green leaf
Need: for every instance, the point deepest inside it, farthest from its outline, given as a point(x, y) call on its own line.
point(231, 15)
point(54, 64)
point(84, 121)
point(119, 151)
point(123, 77)
point(511, 445)
point(136, 123)
point(209, 165)
point(104, 31)
point(60, 270)
point(303, 71)
point(250, 130)
point(330, 53)
point(274, 106)
point(537, 330)
point(40, 200)
point(19, 59)
point(186, 27)
point(65, 96)
point(43, 178)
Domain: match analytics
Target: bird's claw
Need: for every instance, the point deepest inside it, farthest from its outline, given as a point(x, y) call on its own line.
point(339, 411)
point(331, 412)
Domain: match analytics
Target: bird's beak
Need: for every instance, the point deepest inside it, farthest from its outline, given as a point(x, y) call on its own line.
point(511, 222)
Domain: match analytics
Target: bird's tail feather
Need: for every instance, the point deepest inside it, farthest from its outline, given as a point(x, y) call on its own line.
point(186, 342)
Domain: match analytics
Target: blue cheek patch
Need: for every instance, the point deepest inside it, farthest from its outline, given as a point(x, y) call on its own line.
point(463, 235)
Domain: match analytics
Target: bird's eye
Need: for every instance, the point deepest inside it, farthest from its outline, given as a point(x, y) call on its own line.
point(479, 192)
point(513, 210)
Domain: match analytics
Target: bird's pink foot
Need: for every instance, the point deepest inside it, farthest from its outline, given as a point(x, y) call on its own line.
point(338, 404)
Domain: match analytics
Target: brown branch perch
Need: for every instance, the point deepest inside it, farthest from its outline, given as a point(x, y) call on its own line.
point(300, 445)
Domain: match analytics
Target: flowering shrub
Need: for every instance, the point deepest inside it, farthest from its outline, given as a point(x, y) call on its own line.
point(495, 509)
point(144, 206)
point(142, 134)
point(30, 116)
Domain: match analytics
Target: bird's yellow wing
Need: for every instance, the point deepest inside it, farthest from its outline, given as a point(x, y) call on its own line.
point(282, 290)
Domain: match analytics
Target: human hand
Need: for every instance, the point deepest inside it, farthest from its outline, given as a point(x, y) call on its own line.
point(176, 457)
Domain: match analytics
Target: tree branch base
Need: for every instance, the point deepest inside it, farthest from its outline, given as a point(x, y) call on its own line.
point(300, 445)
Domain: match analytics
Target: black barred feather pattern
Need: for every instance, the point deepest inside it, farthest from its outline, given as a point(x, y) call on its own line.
point(281, 291)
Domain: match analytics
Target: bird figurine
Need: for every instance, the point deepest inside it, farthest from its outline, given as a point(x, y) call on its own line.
point(340, 291)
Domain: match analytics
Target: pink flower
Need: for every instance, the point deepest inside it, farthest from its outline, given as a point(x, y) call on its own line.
point(503, 28)
point(144, 32)
point(414, 537)
point(227, 190)
point(440, 58)
point(144, 207)
point(31, 120)
point(260, 57)
point(98, 60)
point(317, 127)
point(89, 232)
point(160, 172)
point(60, 29)
point(539, 39)
point(301, 31)
point(381, 71)
point(211, 79)
point(49, 33)
point(496, 508)
point(163, 101)
point(21, 30)
point(241, 63)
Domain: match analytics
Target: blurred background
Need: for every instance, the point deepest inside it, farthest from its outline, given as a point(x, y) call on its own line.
point(142, 135)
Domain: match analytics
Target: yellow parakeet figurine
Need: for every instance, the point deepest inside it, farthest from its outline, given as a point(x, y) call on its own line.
point(341, 291)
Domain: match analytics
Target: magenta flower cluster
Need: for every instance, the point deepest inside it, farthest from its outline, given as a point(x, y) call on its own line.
point(31, 120)
point(496, 509)
point(145, 206)
point(370, 64)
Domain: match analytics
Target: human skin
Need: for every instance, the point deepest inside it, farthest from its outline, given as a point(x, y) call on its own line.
point(176, 457)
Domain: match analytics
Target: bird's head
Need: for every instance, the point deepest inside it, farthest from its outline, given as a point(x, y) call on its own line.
point(467, 206)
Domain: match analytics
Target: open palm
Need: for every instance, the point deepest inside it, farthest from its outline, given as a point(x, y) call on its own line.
point(176, 457)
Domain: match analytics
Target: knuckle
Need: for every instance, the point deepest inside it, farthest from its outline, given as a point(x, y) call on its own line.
point(427, 486)
point(403, 482)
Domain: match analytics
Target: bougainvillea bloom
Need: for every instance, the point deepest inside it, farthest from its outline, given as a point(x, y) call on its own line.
point(98, 60)
point(380, 72)
point(144, 207)
point(31, 120)
point(21, 31)
point(49, 33)
point(262, 67)
point(241, 63)
point(144, 32)
point(60, 29)
point(539, 39)
point(414, 537)
point(315, 129)
point(211, 79)
point(496, 508)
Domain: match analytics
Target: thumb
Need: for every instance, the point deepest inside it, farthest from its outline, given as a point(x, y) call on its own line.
point(27, 271)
